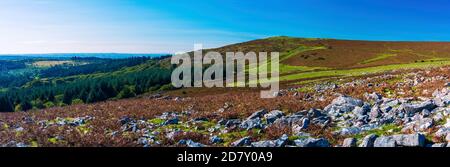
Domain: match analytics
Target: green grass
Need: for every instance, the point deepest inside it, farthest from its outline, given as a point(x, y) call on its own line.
point(363, 71)
point(385, 130)
point(379, 57)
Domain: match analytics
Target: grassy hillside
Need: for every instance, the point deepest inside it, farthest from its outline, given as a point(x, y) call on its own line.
point(307, 58)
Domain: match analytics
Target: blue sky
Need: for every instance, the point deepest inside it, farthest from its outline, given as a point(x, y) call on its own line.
point(167, 26)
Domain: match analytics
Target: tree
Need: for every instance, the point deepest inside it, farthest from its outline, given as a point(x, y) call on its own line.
point(25, 105)
point(6, 104)
point(126, 93)
point(67, 97)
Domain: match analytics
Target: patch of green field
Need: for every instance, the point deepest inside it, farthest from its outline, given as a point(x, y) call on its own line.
point(300, 49)
point(362, 71)
point(379, 57)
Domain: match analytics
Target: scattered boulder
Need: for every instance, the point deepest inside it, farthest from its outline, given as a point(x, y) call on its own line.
point(368, 141)
point(273, 115)
point(311, 142)
point(349, 142)
point(410, 140)
point(242, 142)
point(216, 140)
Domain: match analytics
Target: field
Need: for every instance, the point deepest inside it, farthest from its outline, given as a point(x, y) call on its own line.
point(52, 63)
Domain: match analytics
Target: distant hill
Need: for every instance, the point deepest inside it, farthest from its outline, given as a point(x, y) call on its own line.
point(70, 55)
point(343, 54)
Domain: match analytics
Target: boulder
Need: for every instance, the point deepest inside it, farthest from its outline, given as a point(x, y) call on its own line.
point(312, 142)
point(343, 104)
point(349, 142)
point(191, 143)
point(368, 141)
point(251, 124)
point(411, 109)
point(216, 140)
point(257, 114)
point(401, 140)
point(273, 115)
point(385, 141)
point(245, 141)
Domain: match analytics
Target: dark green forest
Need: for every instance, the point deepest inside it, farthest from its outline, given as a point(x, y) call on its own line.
point(98, 80)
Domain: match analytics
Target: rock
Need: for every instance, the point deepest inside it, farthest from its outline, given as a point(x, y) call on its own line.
point(418, 125)
point(368, 141)
point(289, 120)
point(19, 129)
point(251, 124)
point(349, 131)
point(232, 122)
point(305, 123)
point(272, 116)
point(349, 142)
point(442, 132)
point(257, 114)
point(172, 121)
point(375, 112)
point(343, 104)
point(341, 100)
point(439, 145)
point(216, 140)
point(411, 109)
point(361, 111)
point(242, 142)
point(311, 142)
point(191, 143)
point(373, 96)
point(438, 117)
point(313, 113)
point(282, 141)
point(265, 143)
point(125, 120)
point(385, 141)
point(411, 140)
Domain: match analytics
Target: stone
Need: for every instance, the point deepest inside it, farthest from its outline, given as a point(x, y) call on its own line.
point(313, 113)
point(251, 124)
point(373, 96)
point(343, 104)
point(349, 131)
point(216, 140)
point(257, 114)
point(245, 141)
point(172, 121)
point(312, 142)
point(385, 141)
point(232, 122)
point(375, 112)
point(272, 116)
point(265, 143)
point(419, 125)
point(410, 140)
point(125, 120)
point(368, 141)
point(349, 142)
point(439, 145)
point(191, 143)
point(411, 109)
point(282, 141)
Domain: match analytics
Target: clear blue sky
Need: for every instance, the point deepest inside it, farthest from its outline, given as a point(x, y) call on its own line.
point(166, 26)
